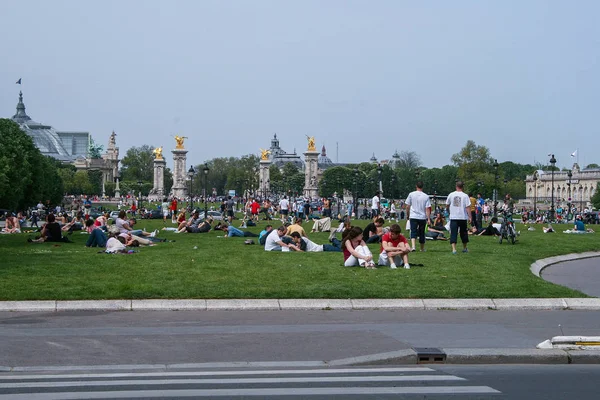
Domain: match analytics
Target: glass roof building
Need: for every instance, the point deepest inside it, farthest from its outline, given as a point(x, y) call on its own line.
point(64, 146)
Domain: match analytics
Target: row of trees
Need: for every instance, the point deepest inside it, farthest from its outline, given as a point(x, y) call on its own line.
point(26, 176)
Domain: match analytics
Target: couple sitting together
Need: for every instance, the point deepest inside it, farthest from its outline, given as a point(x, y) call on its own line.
point(393, 251)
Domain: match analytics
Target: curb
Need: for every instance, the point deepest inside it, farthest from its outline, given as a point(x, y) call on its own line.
point(537, 267)
point(301, 304)
point(400, 357)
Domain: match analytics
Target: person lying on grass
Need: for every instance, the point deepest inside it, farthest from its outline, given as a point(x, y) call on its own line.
point(231, 231)
point(305, 244)
point(118, 245)
point(125, 226)
point(394, 248)
point(355, 249)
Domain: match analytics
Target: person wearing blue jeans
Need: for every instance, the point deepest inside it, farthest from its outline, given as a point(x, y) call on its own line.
point(97, 238)
point(232, 231)
point(305, 244)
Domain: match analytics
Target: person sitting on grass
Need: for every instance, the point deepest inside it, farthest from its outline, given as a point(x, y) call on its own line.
point(277, 241)
point(355, 249)
point(439, 223)
point(345, 225)
point(322, 225)
point(394, 248)
point(305, 244)
point(97, 236)
point(232, 231)
point(125, 226)
point(12, 225)
point(197, 225)
point(579, 227)
point(262, 236)
point(51, 232)
point(374, 230)
point(296, 227)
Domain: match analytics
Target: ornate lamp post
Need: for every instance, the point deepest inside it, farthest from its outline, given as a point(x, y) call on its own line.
point(355, 192)
point(435, 184)
point(190, 174)
point(581, 200)
point(553, 163)
point(140, 202)
point(535, 179)
point(393, 190)
point(206, 170)
point(379, 173)
point(495, 165)
point(570, 175)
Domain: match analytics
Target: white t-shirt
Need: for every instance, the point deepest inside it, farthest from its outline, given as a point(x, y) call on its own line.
point(113, 245)
point(418, 202)
point(458, 202)
point(312, 246)
point(271, 242)
point(375, 203)
point(284, 204)
point(119, 223)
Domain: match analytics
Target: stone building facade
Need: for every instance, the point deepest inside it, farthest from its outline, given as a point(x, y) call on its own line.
point(582, 186)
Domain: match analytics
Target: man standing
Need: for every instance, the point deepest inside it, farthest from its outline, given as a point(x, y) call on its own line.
point(284, 209)
point(375, 205)
point(459, 207)
point(229, 204)
point(419, 212)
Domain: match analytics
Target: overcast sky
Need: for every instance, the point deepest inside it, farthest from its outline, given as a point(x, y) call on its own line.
point(520, 77)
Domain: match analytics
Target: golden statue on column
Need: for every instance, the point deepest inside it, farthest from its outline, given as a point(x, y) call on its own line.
point(264, 154)
point(158, 153)
point(179, 140)
point(311, 143)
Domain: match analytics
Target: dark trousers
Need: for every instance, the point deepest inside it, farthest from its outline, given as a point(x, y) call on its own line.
point(250, 234)
point(457, 225)
point(96, 238)
point(417, 229)
point(373, 239)
point(335, 245)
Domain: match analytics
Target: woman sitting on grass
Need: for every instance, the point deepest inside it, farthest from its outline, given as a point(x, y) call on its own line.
point(51, 232)
point(12, 225)
point(355, 249)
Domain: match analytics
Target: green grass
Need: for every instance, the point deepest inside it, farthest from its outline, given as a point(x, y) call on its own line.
point(226, 268)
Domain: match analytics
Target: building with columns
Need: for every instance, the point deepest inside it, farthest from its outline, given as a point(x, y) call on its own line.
point(582, 186)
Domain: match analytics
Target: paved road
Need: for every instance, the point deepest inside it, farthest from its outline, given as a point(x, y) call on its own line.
point(163, 337)
point(582, 275)
point(390, 382)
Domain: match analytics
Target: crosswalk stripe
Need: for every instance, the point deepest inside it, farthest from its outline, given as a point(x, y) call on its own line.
point(220, 373)
point(386, 378)
point(252, 392)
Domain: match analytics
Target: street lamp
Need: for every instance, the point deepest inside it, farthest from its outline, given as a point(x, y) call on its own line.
point(206, 170)
point(191, 173)
point(435, 183)
point(140, 202)
point(393, 190)
point(570, 175)
point(355, 192)
point(553, 163)
point(535, 179)
point(495, 165)
point(505, 182)
point(379, 173)
point(581, 200)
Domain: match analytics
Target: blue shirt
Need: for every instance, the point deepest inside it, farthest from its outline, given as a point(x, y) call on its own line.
point(579, 225)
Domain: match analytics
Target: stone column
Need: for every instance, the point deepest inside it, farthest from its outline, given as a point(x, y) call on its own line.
point(310, 174)
point(158, 187)
point(264, 175)
point(179, 189)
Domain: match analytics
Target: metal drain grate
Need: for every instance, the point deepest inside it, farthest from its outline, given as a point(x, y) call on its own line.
point(430, 355)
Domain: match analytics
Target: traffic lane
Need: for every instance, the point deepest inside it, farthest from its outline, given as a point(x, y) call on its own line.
point(582, 275)
point(533, 382)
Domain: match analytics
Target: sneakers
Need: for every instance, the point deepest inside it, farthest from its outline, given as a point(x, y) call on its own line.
point(413, 249)
point(453, 251)
point(465, 250)
point(406, 266)
point(393, 266)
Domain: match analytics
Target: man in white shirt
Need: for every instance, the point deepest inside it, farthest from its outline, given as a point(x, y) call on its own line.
point(284, 208)
point(375, 205)
point(459, 207)
point(419, 212)
point(275, 241)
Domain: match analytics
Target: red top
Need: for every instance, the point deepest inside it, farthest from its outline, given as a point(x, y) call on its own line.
point(347, 253)
point(174, 205)
point(254, 207)
point(388, 238)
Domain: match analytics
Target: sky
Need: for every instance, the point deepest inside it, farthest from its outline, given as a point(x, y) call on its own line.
point(367, 77)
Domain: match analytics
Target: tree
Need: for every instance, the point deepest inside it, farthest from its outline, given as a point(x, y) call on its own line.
point(472, 159)
point(596, 197)
point(138, 164)
point(26, 176)
point(592, 166)
point(408, 160)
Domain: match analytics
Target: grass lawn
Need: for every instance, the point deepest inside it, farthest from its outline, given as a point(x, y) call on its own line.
point(226, 268)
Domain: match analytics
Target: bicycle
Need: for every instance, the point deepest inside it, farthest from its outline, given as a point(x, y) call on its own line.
point(507, 230)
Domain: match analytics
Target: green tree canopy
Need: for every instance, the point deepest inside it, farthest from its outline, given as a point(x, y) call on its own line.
point(471, 160)
point(138, 164)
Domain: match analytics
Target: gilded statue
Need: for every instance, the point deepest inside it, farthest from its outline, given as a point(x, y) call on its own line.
point(264, 154)
point(158, 153)
point(179, 140)
point(311, 143)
